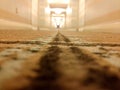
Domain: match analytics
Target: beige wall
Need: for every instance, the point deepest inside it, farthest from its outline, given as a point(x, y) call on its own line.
point(17, 10)
point(23, 13)
point(102, 11)
point(44, 18)
point(74, 16)
point(34, 13)
point(81, 14)
point(102, 15)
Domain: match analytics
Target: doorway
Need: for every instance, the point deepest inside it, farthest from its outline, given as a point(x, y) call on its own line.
point(58, 21)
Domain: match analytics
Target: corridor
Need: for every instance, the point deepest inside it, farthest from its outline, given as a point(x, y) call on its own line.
point(60, 45)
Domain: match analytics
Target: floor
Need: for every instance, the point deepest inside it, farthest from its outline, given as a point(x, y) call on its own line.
point(59, 60)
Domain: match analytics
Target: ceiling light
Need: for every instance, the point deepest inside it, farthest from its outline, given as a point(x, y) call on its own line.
point(50, 1)
point(59, 1)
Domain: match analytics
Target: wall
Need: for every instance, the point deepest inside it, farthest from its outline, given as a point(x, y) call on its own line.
point(72, 17)
point(18, 12)
point(102, 15)
point(81, 14)
point(34, 14)
point(44, 18)
point(75, 13)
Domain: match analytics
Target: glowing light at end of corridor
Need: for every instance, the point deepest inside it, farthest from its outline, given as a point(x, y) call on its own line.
point(47, 10)
point(69, 10)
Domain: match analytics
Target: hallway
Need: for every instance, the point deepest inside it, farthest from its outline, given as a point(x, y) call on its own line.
point(60, 45)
